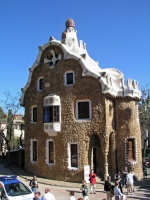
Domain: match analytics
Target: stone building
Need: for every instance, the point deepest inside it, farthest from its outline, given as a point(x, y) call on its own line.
point(78, 114)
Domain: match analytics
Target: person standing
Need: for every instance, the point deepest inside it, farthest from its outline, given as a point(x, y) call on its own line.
point(129, 182)
point(107, 188)
point(125, 172)
point(34, 184)
point(118, 179)
point(48, 195)
point(85, 190)
point(92, 178)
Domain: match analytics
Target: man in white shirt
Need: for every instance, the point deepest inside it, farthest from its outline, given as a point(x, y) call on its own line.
point(129, 182)
point(48, 195)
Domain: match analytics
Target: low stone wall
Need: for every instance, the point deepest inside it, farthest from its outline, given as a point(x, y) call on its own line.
point(16, 157)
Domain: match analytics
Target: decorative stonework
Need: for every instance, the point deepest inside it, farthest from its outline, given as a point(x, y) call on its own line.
point(70, 23)
point(54, 59)
point(104, 136)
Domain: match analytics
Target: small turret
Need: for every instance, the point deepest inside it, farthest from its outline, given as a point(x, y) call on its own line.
point(69, 36)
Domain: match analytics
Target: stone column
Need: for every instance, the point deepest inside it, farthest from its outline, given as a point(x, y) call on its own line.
point(92, 158)
point(106, 165)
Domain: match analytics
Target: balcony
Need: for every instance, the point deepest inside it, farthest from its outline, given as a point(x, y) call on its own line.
point(52, 128)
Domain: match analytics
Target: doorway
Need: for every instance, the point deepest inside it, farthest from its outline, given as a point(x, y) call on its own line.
point(95, 156)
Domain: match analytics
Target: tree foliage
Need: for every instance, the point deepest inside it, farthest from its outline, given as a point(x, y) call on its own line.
point(10, 130)
point(11, 106)
point(2, 114)
point(144, 107)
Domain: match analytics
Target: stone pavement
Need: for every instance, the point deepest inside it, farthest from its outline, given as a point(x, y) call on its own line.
point(145, 183)
point(61, 188)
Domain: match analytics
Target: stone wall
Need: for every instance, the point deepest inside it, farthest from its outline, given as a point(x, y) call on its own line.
point(16, 157)
point(128, 127)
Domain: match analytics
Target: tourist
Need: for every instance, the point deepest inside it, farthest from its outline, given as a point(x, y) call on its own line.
point(108, 187)
point(125, 172)
point(117, 192)
point(34, 184)
point(92, 180)
point(48, 195)
point(71, 193)
point(36, 195)
point(129, 182)
point(84, 189)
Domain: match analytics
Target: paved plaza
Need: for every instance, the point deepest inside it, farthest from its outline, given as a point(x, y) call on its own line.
point(61, 189)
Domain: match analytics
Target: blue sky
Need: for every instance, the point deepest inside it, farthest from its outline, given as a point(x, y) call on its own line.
point(116, 33)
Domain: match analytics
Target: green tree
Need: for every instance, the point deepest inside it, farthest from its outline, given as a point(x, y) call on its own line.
point(144, 107)
point(1, 113)
point(11, 106)
point(144, 111)
point(10, 131)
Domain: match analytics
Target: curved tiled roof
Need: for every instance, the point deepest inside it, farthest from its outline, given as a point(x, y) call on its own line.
point(112, 80)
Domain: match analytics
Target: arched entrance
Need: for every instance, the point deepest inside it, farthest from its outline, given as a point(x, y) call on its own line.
point(95, 156)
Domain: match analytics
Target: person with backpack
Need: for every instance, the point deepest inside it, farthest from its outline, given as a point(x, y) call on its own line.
point(34, 184)
point(108, 188)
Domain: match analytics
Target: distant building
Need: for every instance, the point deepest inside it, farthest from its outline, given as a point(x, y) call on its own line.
point(18, 120)
point(78, 114)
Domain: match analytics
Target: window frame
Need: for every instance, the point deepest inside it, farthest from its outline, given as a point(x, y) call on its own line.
point(70, 166)
point(134, 159)
point(130, 149)
point(39, 84)
point(48, 152)
point(77, 110)
point(65, 78)
point(33, 115)
point(55, 112)
point(32, 151)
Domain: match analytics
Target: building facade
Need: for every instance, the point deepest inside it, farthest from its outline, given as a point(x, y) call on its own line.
point(77, 114)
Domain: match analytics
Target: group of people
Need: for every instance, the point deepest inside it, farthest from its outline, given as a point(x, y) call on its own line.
point(49, 196)
point(116, 189)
